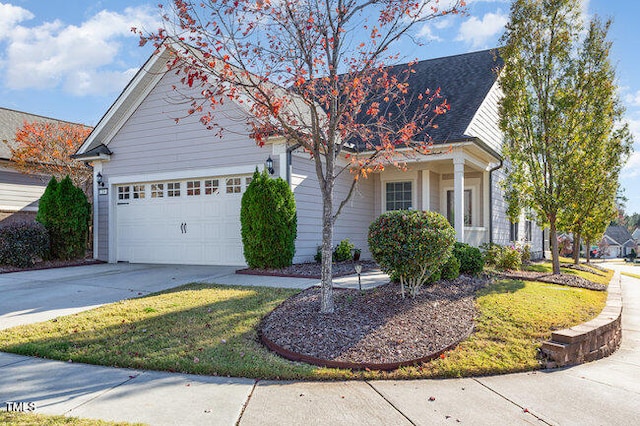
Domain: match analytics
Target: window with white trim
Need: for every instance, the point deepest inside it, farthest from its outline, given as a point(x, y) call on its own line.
point(234, 185)
point(138, 192)
point(193, 188)
point(399, 196)
point(211, 186)
point(157, 190)
point(124, 192)
point(173, 189)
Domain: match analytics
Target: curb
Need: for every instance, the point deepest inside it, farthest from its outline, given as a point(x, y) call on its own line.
point(591, 340)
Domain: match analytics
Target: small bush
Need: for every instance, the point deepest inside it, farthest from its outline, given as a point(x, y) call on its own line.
point(318, 256)
point(21, 244)
point(502, 257)
point(509, 258)
point(451, 269)
point(471, 259)
point(525, 252)
point(342, 252)
point(411, 244)
point(269, 222)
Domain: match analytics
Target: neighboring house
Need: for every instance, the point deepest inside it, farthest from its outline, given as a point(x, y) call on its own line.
point(618, 242)
point(171, 193)
point(636, 235)
point(19, 193)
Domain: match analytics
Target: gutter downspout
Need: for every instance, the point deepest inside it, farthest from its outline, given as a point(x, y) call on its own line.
point(290, 160)
point(491, 199)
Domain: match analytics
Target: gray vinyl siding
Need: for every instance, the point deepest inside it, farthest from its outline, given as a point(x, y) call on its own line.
point(499, 217)
point(103, 228)
point(151, 141)
point(353, 222)
point(484, 124)
point(19, 191)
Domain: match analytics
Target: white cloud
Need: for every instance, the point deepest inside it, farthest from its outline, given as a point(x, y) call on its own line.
point(427, 33)
point(82, 59)
point(633, 99)
point(478, 32)
point(10, 16)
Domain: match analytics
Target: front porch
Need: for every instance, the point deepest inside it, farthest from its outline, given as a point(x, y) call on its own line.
point(455, 183)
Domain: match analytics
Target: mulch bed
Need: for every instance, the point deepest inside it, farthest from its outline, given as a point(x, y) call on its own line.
point(374, 329)
point(562, 279)
point(49, 264)
point(311, 270)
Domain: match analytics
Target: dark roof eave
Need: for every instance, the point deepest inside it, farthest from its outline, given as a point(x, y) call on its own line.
point(473, 139)
point(100, 152)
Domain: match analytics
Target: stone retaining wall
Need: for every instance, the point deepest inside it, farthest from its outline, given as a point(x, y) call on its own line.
point(591, 340)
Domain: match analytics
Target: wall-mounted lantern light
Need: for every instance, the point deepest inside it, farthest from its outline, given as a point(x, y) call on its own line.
point(99, 179)
point(270, 166)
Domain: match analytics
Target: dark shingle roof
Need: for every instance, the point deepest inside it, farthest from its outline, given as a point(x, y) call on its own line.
point(11, 121)
point(619, 234)
point(464, 81)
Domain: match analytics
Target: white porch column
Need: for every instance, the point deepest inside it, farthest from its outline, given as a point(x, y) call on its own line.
point(458, 197)
point(97, 168)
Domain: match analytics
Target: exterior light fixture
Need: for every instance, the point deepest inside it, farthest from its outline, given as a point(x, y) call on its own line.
point(270, 166)
point(99, 179)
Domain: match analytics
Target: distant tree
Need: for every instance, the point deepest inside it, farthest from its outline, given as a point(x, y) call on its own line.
point(45, 149)
point(333, 57)
point(548, 112)
point(601, 142)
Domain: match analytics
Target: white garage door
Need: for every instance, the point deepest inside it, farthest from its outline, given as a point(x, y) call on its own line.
point(195, 221)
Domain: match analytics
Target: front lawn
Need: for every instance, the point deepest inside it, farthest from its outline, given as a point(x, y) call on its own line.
point(211, 329)
point(590, 273)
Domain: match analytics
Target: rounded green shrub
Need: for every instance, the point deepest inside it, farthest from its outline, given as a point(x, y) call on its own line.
point(411, 245)
point(471, 259)
point(342, 252)
point(269, 222)
point(65, 212)
point(21, 244)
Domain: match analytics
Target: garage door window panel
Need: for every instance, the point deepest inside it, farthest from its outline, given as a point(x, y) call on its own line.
point(234, 185)
point(211, 186)
point(173, 189)
point(138, 192)
point(157, 190)
point(124, 192)
point(193, 188)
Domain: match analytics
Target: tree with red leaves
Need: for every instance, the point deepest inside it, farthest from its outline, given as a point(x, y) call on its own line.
point(314, 73)
point(45, 148)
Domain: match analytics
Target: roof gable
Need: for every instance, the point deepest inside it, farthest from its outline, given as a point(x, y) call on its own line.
point(617, 233)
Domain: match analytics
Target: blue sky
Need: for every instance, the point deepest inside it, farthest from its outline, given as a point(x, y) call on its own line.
point(69, 59)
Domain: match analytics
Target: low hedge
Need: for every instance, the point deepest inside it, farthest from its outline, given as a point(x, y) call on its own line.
point(21, 244)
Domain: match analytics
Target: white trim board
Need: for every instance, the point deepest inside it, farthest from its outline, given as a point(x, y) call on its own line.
point(186, 174)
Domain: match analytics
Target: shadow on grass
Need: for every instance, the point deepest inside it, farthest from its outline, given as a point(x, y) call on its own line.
point(198, 329)
point(502, 286)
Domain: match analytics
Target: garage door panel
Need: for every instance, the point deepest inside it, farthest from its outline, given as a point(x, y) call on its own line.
point(187, 229)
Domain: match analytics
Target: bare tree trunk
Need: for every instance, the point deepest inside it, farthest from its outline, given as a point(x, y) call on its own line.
point(587, 250)
point(576, 248)
point(553, 236)
point(326, 288)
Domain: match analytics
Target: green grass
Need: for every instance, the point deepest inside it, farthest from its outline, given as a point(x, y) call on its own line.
point(597, 276)
point(30, 419)
point(211, 329)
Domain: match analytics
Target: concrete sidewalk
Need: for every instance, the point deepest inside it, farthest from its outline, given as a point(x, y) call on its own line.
point(602, 392)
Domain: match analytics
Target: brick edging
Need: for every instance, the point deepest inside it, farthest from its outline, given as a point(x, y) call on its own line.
point(591, 340)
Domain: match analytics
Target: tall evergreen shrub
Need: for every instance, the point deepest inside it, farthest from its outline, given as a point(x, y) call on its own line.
point(269, 222)
point(65, 212)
